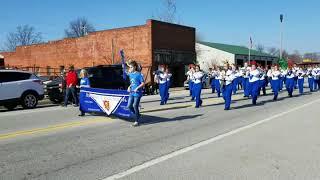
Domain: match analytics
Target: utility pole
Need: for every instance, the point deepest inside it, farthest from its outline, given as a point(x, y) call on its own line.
point(281, 34)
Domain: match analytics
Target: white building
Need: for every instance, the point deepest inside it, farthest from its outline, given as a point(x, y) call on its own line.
point(209, 54)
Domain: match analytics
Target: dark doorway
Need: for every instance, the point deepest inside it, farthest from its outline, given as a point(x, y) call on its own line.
point(178, 75)
point(1, 63)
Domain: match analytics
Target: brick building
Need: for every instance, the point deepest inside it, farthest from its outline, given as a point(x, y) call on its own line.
point(151, 44)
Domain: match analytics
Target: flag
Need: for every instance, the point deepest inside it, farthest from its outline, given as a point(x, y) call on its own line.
point(123, 62)
point(251, 44)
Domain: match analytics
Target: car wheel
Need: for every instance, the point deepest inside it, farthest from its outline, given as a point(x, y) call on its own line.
point(10, 106)
point(29, 101)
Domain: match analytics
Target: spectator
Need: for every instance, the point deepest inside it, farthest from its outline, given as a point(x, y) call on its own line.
point(71, 82)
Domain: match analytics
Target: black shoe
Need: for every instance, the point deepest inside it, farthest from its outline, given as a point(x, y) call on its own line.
point(82, 114)
point(226, 109)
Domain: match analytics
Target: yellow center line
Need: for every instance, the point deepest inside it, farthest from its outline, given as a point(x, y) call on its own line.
point(55, 127)
point(105, 119)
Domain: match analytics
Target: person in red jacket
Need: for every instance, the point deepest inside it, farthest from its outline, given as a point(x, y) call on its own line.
point(71, 83)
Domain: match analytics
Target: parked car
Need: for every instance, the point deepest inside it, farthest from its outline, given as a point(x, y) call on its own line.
point(105, 77)
point(20, 88)
point(205, 82)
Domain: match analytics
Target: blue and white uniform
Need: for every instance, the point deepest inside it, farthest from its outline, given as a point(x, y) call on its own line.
point(262, 81)
point(84, 82)
point(316, 77)
point(212, 75)
point(275, 82)
point(310, 79)
point(235, 81)
point(161, 77)
point(169, 75)
point(197, 86)
point(289, 81)
point(227, 79)
point(217, 83)
point(254, 78)
point(190, 79)
point(282, 79)
point(300, 74)
point(245, 82)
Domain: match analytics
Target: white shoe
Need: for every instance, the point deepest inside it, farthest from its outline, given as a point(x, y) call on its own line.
point(135, 124)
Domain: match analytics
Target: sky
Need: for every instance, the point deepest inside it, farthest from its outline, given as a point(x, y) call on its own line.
point(219, 21)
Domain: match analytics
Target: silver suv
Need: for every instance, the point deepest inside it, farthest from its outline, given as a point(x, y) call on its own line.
point(20, 88)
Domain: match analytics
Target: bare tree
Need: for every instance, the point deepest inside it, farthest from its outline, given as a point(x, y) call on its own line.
point(260, 48)
point(273, 51)
point(24, 35)
point(169, 12)
point(79, 28)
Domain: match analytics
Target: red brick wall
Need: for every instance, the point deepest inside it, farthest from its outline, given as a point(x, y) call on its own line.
point(138, 43)
point(93, 49)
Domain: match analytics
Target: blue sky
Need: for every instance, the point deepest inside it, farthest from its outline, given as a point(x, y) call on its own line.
point(228, 21)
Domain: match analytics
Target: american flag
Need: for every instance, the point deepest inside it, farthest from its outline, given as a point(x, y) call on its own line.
point(251, 44)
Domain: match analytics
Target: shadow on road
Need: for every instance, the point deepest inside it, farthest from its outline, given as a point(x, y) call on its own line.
point(147, 119)
point(19, 108)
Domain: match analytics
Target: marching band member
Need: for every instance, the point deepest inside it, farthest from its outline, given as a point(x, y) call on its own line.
point(310, 78)
point(316, 77)
point(212, 77)
point(190, 78)
point(135, 90)
point(300, 74)
point(84, 82)
point(289, 80)
point(217, 82)
point(245, 83)
point(161, 78)
point(236, 78)
point(197, 85)
point(262, 81)
point(282, 78)
point(169, 75)
point(254, 78)
point(295, 70)
point(227, 76)
point(275, 81)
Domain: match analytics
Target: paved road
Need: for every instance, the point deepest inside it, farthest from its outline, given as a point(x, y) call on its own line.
point(53, 143)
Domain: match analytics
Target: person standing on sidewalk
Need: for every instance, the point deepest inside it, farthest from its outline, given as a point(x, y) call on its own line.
point(84, 82)
point(135, 91)
point(71, 83)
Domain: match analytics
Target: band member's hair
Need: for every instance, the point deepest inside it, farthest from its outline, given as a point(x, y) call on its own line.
point(83, 73)
point(134, 64)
